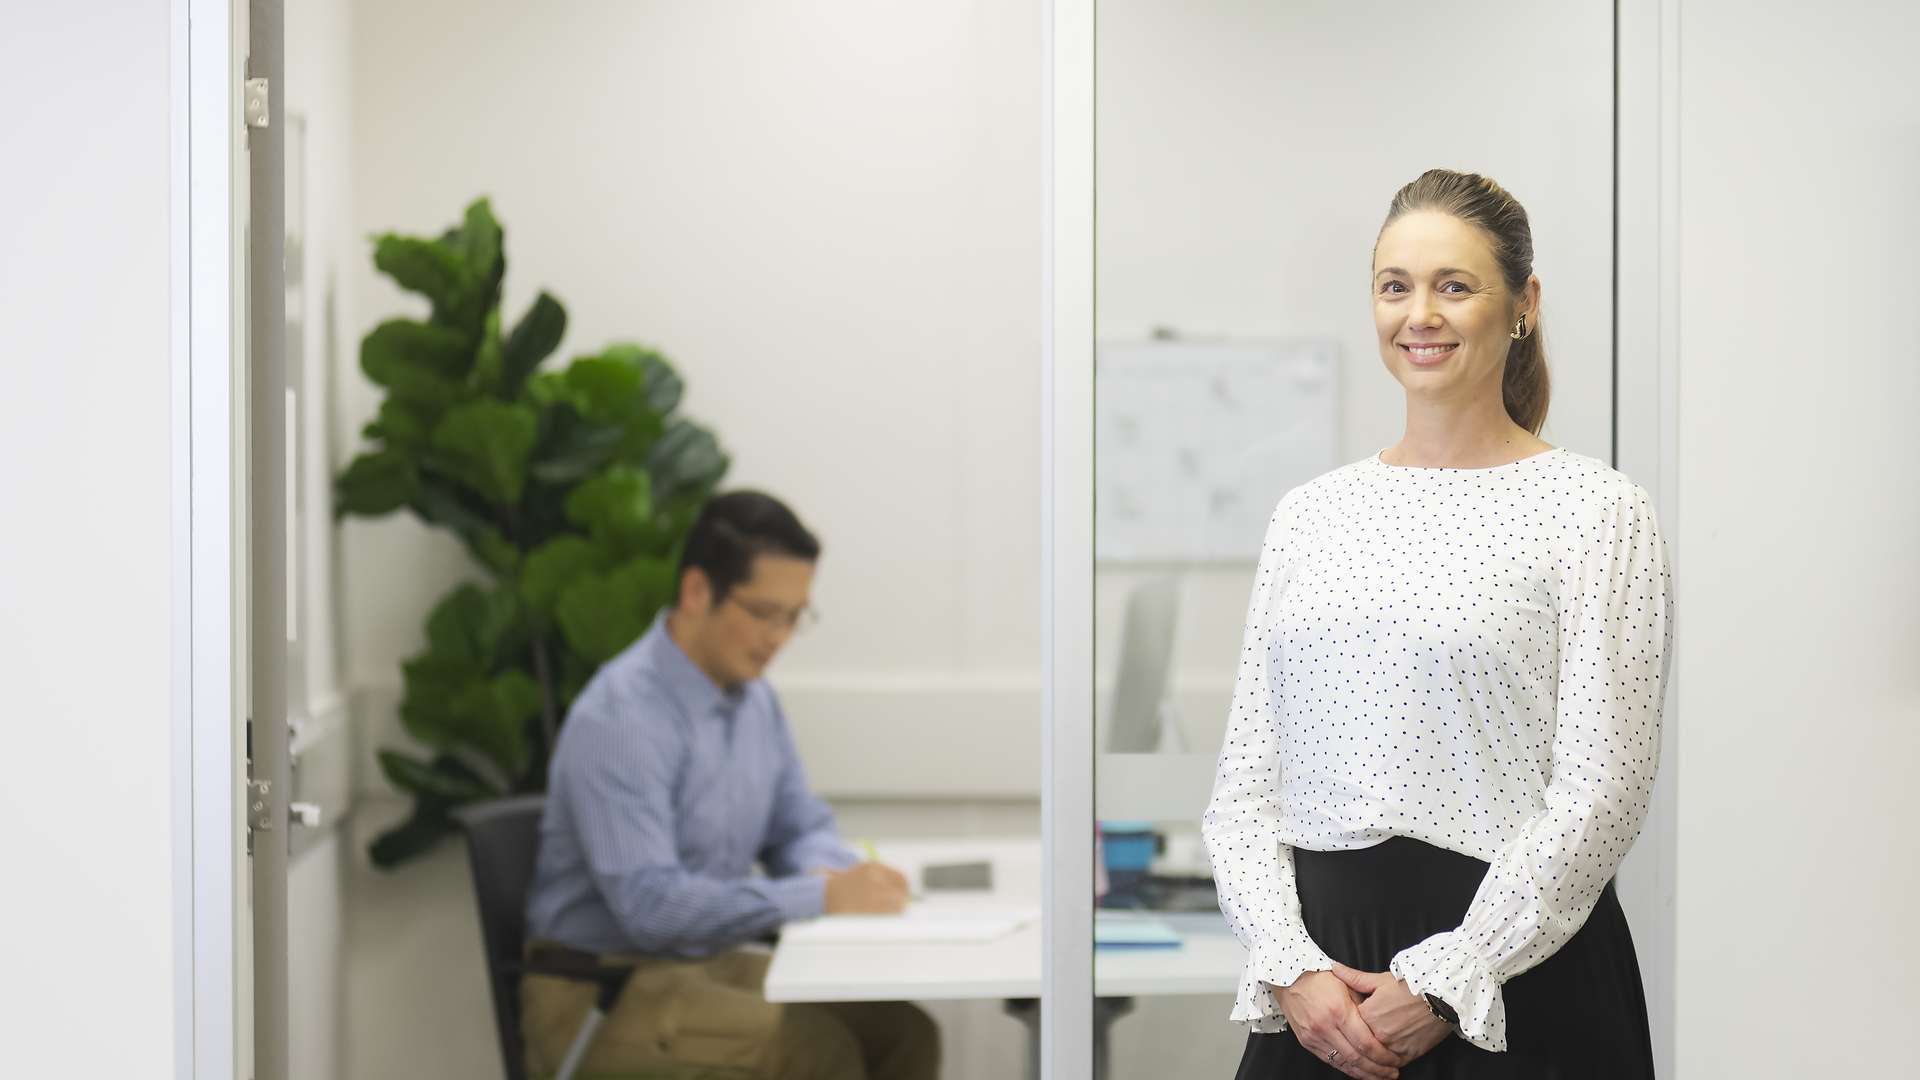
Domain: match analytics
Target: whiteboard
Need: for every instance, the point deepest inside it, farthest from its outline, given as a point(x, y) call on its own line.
point(1196, 441)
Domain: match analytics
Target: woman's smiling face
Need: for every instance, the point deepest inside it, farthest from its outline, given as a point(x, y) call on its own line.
point(1441, 307)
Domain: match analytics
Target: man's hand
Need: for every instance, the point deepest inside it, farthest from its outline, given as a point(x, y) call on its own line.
point(866, 889)
point(1397, 1018)
point(1326, 1020)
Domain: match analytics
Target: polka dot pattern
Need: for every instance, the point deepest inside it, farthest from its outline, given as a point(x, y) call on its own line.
point(1470, 657)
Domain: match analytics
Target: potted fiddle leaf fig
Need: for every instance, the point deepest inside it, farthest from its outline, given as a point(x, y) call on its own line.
point(572, 489)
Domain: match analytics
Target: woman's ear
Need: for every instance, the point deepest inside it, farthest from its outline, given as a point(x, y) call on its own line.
point(1530, 300)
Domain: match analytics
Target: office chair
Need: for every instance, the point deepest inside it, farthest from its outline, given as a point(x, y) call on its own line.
point(503, 841)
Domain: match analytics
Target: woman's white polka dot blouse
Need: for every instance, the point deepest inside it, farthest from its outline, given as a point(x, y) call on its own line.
point(1469, 657)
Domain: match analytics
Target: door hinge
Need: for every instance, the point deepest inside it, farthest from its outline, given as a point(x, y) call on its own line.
point(255, 103)
point(260, 805)
point(259, 809)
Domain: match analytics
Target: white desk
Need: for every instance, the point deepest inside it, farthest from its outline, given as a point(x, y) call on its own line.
point(1208, 960)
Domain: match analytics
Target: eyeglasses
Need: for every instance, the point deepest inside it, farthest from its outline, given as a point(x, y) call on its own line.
point(775, 616)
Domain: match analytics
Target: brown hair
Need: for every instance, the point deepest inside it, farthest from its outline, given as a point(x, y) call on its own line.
point(1478, 201)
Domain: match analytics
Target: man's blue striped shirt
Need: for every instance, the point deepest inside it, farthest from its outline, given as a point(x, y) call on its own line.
point(663, 793)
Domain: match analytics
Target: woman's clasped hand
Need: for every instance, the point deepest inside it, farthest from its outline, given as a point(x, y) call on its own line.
point(1366, 1024)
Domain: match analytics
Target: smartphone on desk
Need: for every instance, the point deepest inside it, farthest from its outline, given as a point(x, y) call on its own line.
point(957, 877)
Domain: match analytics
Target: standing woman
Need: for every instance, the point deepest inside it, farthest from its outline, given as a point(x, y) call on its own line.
point(1447, 716)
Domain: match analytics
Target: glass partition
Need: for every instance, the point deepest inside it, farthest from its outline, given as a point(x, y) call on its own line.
point(1246, 156)
point(810, 232)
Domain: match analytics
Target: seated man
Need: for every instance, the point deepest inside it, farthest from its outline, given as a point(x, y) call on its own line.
point(674, 774)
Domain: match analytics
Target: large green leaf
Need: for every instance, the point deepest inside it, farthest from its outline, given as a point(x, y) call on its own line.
point(476, 625)
point(601, 614)
point(572, 447)
point(674, 522)
point(481, 244)
point(486, 444)
point(575, 670)
point(546, 389)
point(445, 778)
point(495, 552)
point(417, 361)
point(622, 382)
point(660, 383)
point(442, 501)
point(493, 718)
point(606, 388)
point(487, 360)
point(427, 267)
point(541, 516)
point(533, 339)
point(413, 837)
point(434, 676)
point(686, 461)
point(476, 244)
point(553, 566)
point(434, 682)
point(615, 507)
point(403, 424)
point(375, 483)
point(448, 705)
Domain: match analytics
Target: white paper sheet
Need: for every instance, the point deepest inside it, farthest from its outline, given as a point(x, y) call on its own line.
point(957, 926)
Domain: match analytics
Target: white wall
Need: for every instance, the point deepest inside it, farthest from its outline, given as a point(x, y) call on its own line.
point(1799, 519)
point(828, 217)
point(322, 273)
point(86, 811)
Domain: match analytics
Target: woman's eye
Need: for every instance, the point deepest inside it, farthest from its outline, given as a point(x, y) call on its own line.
point(1457, 288)
point(1393, 287)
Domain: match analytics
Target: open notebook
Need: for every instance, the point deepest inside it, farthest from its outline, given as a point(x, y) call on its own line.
point(916, 925)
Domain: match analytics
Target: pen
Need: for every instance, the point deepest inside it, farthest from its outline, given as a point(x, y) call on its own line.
point(866, 848)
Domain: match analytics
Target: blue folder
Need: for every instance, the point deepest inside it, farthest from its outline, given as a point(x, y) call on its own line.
point(1128, 932)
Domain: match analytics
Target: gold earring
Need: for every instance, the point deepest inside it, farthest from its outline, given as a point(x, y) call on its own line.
point(1519, 329)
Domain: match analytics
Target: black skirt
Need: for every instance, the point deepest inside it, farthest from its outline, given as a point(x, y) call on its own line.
point(1580, 1013)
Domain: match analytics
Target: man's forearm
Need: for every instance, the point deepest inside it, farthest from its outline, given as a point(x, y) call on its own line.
point(669, 911)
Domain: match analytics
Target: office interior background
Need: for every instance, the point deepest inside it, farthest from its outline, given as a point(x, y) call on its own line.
point(832, 219)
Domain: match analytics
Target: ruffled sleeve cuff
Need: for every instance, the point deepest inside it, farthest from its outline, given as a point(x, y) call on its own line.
point(1443, 966)
point(1270, 965)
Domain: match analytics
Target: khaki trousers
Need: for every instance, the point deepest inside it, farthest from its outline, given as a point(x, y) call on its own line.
point(700, 1019)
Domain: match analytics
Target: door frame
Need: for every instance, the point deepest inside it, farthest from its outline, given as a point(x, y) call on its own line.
point(1066, 516)
point(1646, 419)
point(206, 206)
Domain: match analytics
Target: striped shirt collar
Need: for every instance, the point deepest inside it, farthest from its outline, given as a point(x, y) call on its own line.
point(688, 684)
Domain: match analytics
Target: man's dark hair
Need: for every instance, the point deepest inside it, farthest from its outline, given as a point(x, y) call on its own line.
point(734, 528)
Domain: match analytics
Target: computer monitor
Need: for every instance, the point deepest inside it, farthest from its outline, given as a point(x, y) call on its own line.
point(1140, 710)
